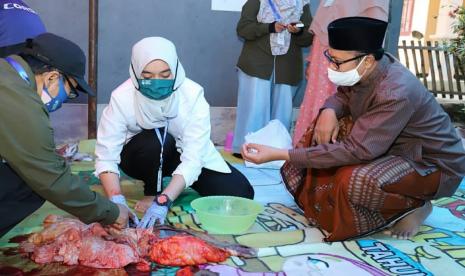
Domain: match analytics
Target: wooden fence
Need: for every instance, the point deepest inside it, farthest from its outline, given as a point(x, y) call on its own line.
point(440, 71)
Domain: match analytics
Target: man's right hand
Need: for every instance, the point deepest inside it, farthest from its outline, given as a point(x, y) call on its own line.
point(123, 218)
point(120, 199)
point(326, 128)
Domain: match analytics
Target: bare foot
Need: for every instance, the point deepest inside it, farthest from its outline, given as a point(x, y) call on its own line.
point(408, 227)
point(143, 204)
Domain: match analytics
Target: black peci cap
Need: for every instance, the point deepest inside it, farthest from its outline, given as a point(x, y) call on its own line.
point(362, 34)
point(62, 54)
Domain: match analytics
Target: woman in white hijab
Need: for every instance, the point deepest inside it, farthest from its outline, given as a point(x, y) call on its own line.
point(158, 124)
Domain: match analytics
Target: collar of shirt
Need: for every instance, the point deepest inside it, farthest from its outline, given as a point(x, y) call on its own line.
point(375, 76)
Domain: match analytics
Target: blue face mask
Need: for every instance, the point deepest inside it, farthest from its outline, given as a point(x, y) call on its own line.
point(56, 102)
point(156, 89)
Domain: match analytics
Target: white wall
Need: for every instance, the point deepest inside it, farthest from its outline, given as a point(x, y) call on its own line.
point(444, 26)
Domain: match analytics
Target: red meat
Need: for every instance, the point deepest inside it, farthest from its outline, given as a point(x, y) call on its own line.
point(72, 242)
point(185, 250)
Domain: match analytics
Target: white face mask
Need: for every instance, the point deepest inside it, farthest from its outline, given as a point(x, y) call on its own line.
point(348, 78)
point(45, 97)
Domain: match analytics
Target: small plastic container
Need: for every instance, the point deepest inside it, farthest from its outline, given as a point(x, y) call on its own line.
point(228, 141)
point(226, 214)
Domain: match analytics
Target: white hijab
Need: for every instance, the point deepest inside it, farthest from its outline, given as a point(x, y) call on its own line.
point(152, 113)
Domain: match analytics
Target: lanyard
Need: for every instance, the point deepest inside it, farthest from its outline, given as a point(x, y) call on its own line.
point(162, 143)
point(274, 9)
point(22, 73)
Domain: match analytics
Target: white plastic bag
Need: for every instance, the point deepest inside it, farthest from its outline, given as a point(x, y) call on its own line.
point(274, 134)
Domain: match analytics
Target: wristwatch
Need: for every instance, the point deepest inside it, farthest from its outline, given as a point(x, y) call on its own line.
point(163, 200)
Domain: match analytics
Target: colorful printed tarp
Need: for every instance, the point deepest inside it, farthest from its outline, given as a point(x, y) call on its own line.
point(287, 245)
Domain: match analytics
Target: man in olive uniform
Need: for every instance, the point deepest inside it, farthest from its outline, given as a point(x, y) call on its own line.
point(33, 84)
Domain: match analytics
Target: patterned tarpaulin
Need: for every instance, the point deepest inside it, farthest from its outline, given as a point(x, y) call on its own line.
point(287, 244)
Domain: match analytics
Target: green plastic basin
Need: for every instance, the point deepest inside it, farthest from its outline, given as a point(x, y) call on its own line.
point(226, 214)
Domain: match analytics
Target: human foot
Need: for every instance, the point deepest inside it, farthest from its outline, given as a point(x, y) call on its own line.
point(143, 204)
point(408, 226)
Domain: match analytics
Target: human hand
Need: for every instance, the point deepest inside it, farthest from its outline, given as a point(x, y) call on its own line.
point(143, 204)
point(258, 154)
point(292, 28)
point(326, 128)
point(120, 199)
point(123, 218)
point(278, 27)
point(154, 214)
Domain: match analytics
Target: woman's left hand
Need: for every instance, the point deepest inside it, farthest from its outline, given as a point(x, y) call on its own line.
point(155, 214)
point(259, 154)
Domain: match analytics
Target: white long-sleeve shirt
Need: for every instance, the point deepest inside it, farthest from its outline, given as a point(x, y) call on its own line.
point(190, 128)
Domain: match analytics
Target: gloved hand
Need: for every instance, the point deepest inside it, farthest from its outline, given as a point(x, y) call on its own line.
point(120, 199)
point(153, 214)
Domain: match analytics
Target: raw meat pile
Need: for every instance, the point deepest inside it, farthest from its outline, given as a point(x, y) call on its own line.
point(186, 250)
point(72, 242)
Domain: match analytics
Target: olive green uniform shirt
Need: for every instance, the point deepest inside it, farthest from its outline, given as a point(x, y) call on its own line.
point(27, 145)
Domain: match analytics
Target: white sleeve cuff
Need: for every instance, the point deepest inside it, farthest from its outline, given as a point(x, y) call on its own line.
point(105, 166)
point(189, 172)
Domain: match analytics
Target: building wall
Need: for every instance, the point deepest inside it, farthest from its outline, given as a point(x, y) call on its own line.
point(444, 21)
point(431, 18)
point(431, 23)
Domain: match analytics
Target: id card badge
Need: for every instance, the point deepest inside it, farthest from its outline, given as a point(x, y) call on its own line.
point(159, 179)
